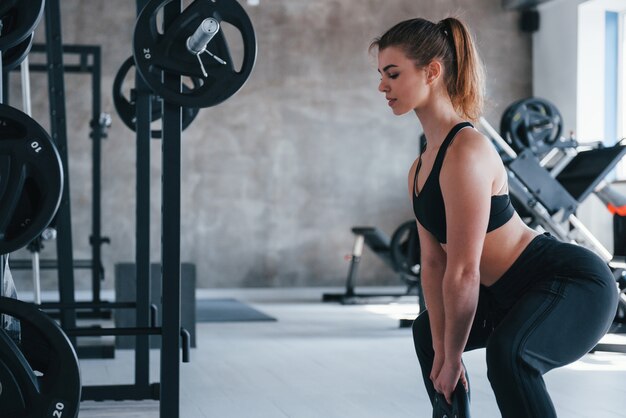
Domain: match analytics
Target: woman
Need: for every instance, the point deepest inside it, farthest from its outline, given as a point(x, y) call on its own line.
point(489, 280)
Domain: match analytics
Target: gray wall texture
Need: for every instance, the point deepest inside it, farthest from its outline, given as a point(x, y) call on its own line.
point(274, 178)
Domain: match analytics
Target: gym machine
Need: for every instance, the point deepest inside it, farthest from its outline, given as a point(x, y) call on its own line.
point(549, 176)
point(400, 253)
point(184, 43)
point(202, 53)
point(86, 59)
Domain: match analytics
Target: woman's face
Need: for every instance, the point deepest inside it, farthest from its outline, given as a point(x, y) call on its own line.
point(404, 85)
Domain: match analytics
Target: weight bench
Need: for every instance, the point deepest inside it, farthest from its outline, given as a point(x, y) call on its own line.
point(380, 244)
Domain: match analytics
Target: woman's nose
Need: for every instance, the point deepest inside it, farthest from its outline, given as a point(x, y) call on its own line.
point(382, 86)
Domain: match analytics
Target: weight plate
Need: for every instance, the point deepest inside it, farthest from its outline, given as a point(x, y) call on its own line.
point(531, 123)
point(31, 179)
point(404, 249)
point(126, 106)
point(157, 54)
point(19, 18)
point(13, 57)
point(55, 390)
point(11, 397)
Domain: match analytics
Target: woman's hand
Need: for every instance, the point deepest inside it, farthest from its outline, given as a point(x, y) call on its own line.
point(448, 377)
point(437, 365)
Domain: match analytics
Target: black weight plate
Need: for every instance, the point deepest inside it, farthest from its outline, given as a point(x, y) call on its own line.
point(531, 123)
point(125, 106)
point(157, 53)
point(13, 57)
point(404, 249)
point(19, 20)
point(505, 123)
point(31, 179)
point(11, 397)
point(459, 408)
point(57, 387)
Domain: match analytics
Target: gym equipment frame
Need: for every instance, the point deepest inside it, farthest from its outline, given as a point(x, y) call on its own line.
point(89, 62)
point(545, 195)
point(384, 247)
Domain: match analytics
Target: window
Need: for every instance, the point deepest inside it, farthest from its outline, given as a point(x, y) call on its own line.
point(601, 97)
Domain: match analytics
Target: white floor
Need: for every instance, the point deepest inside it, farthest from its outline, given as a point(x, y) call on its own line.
point(323, 360)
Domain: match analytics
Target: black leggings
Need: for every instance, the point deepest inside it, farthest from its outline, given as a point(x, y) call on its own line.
point(548, 310)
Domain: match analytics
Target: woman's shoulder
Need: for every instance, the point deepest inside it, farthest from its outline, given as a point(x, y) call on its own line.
point(471, 150)
point(470, 137)
point(470, 144)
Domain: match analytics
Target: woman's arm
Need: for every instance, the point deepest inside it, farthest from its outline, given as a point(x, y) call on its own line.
point(433, 267)
point(466, 181)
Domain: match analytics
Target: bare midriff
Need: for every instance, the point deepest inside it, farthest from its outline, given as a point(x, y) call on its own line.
point(501, 248)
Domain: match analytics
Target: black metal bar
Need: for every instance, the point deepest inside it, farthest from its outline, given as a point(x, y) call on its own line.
point(154, 312)
point(58, 128)
point(120, 392)
point(88, 314)
point(142, 225)
point(88, 305)
point(142, 215)
point(84, 62)
point(170, 241)
point(2, 256)
point(2, 80)
point(354, 265)
point(186, 343)
point(613, 348)
point(78, 49)
point(48, 264)
point(77, 69)
point(2, 265)
point(97, 134)
point(100, 332)
point(5, 88)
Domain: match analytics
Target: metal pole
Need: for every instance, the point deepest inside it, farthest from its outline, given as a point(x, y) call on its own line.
point(36, 278)
point(142, 224)
point(58, 130)
point(591, 240)
point(25, 76)
point(170, 242)
point(26, 105)
point(2, 256)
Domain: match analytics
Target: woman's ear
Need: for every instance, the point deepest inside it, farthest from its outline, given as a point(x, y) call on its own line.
point(433, 71)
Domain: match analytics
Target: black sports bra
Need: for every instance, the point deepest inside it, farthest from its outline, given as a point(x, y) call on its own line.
point(429, 206)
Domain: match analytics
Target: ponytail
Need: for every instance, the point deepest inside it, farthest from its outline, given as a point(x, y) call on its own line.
point(465, 81)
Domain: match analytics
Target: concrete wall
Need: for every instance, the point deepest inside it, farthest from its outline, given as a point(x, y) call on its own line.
point(555, 58)
point(274, 178)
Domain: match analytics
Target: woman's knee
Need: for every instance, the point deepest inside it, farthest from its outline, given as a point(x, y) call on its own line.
point(502, 356)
